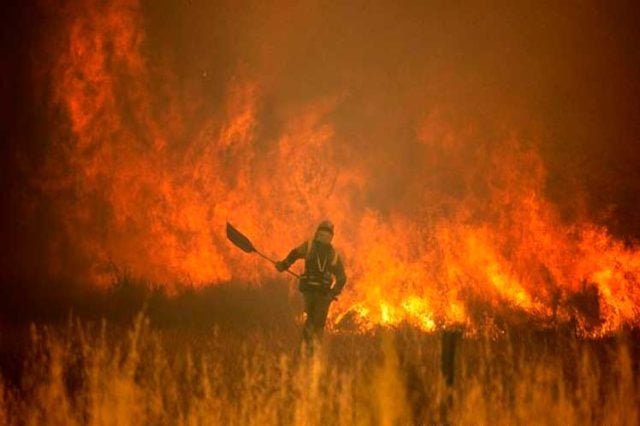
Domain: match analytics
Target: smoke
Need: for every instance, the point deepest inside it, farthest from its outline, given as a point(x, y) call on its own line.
point(136, 129)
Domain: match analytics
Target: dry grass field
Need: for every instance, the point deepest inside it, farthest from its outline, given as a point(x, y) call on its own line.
point(95, 372)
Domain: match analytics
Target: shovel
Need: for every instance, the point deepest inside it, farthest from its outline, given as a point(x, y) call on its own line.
point(244, 244)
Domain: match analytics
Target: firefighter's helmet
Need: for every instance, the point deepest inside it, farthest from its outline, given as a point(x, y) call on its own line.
point(325, 225)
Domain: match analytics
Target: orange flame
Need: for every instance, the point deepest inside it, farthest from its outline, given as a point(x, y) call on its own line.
point(146, 175)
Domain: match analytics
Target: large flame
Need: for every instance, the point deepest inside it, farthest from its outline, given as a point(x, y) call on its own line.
point(145, 173)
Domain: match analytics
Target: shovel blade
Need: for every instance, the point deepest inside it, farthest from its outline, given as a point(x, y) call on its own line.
point(239, 240)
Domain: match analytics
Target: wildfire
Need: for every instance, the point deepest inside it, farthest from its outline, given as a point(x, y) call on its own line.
point(144, 173)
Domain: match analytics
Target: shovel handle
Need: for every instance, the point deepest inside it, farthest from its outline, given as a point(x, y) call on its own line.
point(264, 256)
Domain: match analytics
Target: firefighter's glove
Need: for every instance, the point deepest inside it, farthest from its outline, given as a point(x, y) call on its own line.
point(281, 266)
point(334, 294)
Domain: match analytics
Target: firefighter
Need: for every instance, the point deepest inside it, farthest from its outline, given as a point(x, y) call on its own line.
point(322, 280)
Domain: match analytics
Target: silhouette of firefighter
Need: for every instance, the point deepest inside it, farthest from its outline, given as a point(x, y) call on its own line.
point(322, 280)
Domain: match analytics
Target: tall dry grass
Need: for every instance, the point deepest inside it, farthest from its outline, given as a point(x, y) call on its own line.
point(95, 374)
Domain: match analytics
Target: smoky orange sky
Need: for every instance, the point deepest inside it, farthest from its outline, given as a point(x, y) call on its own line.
point(465, 150)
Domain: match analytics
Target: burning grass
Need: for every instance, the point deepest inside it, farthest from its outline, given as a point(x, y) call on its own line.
point(441, 200)
point(85, 372)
